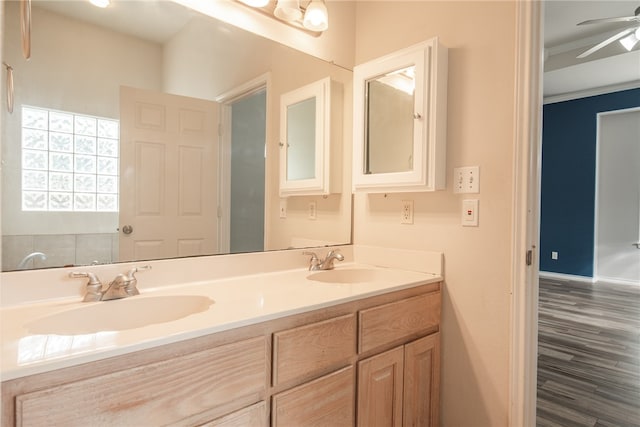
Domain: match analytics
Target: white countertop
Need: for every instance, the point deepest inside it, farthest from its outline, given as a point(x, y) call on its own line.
point(238, 301)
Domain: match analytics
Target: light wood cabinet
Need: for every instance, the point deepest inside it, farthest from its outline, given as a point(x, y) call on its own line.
point(313, 349)
point(254, 416)
point(379, 355)
point(327, 401)
point(380, 388)
point(400, 387)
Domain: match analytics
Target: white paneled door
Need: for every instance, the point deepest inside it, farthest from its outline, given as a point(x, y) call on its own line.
point(168, 174)
point(618, 197)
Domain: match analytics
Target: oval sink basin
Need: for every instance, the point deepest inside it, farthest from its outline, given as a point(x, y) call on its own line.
point(353, 275)
point(119, 315)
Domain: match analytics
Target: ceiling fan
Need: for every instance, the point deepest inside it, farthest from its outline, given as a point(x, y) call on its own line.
point(628, 36)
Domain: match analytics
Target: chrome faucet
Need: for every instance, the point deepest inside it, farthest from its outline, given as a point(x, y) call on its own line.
point(25, 260)
point(327, 263)
point(124, 285)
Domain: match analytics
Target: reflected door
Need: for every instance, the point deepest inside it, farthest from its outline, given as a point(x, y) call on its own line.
point(168, 196)
point(618, 197)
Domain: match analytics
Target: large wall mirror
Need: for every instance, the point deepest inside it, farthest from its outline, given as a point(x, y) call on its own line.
point(113, 151)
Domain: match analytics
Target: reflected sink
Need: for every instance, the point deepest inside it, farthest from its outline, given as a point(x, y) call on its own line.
point(350, 275)
point(119, 315)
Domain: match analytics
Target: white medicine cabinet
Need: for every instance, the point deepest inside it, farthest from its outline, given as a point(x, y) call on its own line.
point(400, 120)
point(311, 139)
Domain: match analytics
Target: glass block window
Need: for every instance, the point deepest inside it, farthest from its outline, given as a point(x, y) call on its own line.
point(69, 161)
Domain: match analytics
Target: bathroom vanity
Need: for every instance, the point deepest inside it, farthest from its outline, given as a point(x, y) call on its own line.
point(298, 348)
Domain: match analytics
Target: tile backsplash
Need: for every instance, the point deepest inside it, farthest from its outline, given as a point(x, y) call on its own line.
point(59, 249)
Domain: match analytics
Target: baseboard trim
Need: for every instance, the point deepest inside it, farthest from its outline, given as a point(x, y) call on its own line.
point(562, 276)
point(618, 281)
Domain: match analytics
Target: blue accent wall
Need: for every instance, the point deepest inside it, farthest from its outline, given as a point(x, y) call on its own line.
point(567, 207)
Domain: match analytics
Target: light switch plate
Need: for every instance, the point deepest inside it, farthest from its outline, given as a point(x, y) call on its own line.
point(466, 179)
point(313, 210)
point(470, 213)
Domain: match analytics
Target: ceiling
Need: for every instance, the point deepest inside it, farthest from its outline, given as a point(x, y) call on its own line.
point(564, 40)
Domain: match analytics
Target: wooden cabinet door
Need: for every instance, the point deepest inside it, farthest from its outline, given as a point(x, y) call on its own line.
point(422, 382)
point(380, 386)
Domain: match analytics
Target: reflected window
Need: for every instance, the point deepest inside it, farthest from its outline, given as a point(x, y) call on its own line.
point(69, 161)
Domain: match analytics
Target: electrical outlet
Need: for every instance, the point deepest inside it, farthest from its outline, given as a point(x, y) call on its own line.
point(470, 213)
point(407, 212)
point(283, 208)
point(312, 210)
point(554, 255)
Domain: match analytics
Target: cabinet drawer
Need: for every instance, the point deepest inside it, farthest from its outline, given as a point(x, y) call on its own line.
point(313, 349)
point(326, 401)
point(254, 416)
point(217, 381)
point(399, 320)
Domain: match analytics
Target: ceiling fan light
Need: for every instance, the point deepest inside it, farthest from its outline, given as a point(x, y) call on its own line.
point(629, 41)
point(288, 10)
point(255, 3)
point(316, 18)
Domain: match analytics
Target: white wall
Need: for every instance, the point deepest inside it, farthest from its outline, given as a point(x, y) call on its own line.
point(476, 326)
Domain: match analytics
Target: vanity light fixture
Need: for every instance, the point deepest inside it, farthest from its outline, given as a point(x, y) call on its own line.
point(630, 41)
point(316, 17)
point(100, 3)
point(310, 16)
point(288, 10)
point(256, 3)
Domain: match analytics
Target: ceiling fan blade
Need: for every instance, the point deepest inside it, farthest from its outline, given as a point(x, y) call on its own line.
point(607, 41)
point(607, 20)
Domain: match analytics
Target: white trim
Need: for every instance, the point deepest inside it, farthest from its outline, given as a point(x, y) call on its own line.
point(525, 195)
point(249, 88)
point(616, 281)
point(592, 92)
point(562, 276)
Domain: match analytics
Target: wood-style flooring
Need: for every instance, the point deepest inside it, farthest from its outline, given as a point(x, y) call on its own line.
point(588, 354)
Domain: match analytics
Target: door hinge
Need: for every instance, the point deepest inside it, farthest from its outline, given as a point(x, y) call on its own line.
point(529, 257)
point(219, 212)
point(219, 129)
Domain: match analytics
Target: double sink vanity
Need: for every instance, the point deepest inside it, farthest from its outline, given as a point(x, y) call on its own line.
point(240, 340)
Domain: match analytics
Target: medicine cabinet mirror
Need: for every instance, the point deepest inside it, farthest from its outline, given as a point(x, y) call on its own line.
point(310, 139)
point(400, 106)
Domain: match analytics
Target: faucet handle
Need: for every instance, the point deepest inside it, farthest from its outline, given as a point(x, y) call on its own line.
point(314, 262)
point(131, 273)
point(94, 287)
point(93, 279)
point(131, 282)
point(313, 254)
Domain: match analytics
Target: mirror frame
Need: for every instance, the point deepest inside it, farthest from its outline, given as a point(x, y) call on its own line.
point(430, 114)
point(328, 141)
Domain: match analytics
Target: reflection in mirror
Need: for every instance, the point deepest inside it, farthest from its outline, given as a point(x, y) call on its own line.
point(301, 140)
point(81, 58)
point(389, 122)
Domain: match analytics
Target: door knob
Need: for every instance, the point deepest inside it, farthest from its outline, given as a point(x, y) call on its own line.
point(127, 229)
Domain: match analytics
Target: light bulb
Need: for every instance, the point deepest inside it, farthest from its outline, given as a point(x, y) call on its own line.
point(255, 3)
point(316, 17)
point(100, 3)
point(629, 41)
point(288, 10)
